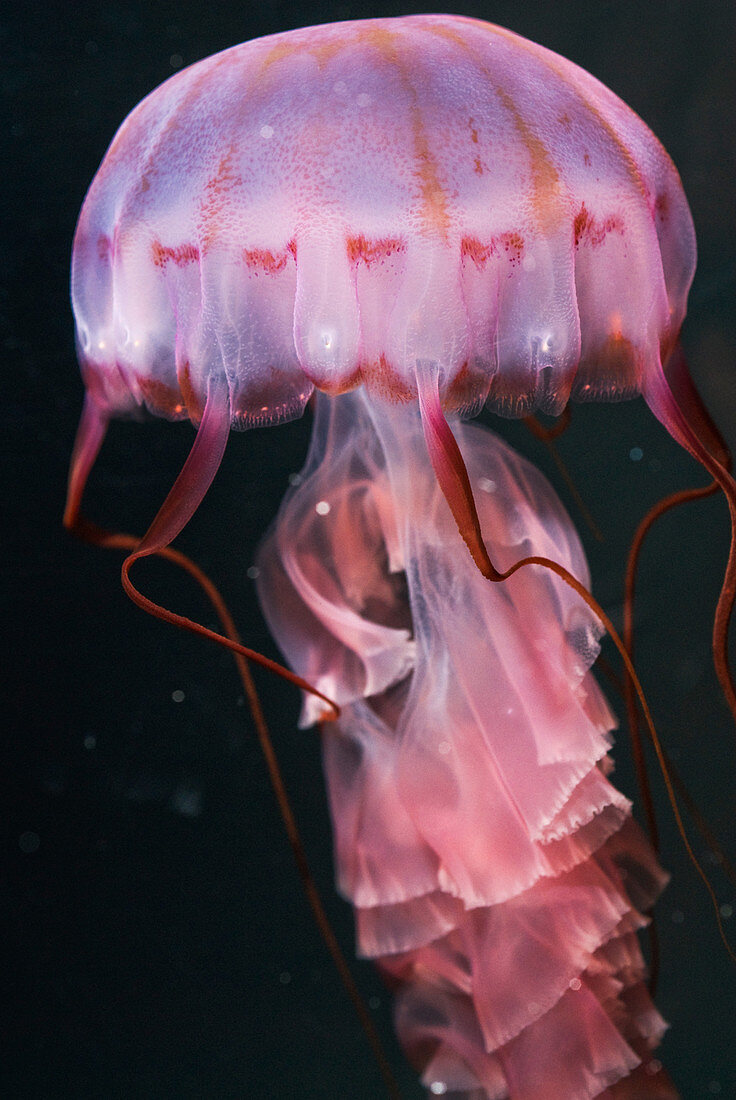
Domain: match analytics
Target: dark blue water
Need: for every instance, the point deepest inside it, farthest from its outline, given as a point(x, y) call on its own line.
point(161, 946)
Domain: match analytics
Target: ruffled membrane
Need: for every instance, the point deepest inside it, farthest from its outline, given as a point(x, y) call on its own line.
point(497, 875)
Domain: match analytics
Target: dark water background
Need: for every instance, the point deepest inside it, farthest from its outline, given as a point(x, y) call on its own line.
point(159, 944)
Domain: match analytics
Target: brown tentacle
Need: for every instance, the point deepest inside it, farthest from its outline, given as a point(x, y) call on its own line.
point(454, 482)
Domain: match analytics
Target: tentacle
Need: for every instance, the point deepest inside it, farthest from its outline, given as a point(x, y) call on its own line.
point(196, 476)
point(659, 509)
point(182, 501)
point(450, 470)
point(180, 504)
point(452, 477)
point(90, 434)
point(674, 400)
point(632, 714)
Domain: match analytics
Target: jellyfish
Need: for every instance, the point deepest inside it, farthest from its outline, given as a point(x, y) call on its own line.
point(400, 222)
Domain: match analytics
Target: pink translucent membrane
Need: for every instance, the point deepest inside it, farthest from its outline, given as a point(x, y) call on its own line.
point(337, 204)
point(381, 207)
point(496, 873)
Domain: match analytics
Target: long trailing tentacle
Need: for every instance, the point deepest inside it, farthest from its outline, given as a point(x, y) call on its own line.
point(454, 482)
point(182, 501)
point(663, 506)
point(122, 541)
point(632, 714)
point(179, 506)
point(673, 399)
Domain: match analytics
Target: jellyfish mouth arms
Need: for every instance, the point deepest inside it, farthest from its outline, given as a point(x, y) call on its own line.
point(452, 477)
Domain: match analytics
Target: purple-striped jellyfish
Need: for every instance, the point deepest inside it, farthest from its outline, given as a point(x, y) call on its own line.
point(404, 220)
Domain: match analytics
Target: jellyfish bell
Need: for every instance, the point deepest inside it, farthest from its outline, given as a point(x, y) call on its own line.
point(413, 218)
point(367, 203)
point(330, 206)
